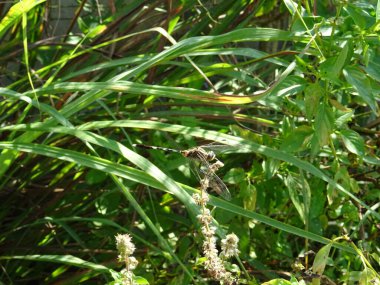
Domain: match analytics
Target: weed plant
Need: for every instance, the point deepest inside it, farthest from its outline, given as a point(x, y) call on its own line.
point(291, 87)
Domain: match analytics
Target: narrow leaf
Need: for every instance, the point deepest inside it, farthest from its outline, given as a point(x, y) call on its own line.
point(64, 259)
point(15, 13)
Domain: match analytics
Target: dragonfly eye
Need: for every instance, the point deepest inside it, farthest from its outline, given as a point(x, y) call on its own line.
point(211, 156)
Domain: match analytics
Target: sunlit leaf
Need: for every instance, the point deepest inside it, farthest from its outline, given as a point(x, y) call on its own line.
point(324, 123)
point(64, 259)
point(313, 93)
point(353, 141)
point(320, 259)
point(362, 85)
point(278, 282)
point(15, 13)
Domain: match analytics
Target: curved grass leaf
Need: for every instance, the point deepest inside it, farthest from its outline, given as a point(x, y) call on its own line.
point(15, 13)
point(181, 48)
point(120, 170)
point(242, 146)
point(117, 170)
point(40, 106)
point(64, 259)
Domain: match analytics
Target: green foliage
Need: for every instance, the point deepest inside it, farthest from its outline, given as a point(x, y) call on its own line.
point(294, 102)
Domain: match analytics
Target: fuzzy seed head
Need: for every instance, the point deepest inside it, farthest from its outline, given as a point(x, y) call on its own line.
point(124, 246)
point(230, 245)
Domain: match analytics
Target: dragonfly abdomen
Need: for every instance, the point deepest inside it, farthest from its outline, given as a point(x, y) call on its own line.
point(157, 147)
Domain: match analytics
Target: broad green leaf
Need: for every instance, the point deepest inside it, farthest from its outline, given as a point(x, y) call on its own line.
point(299, 192)
point(360, 16)
point(343, 178)
point(371, 160)
point(94, 32)
point(270, 167)
point(320, 259)
point(94, 177)
point(249, 195)
point(341, 121)
point(331, 68)
point(306, 23)
point(139, 280)
point(341, 59)
point(234, 176)
point(362, 85)
point(297, 140)
point(293, 188)
point(349, 212)
point(265, 7)
point(368, 276)
point(106, 204)
point(294, 281)
point(353, 141)
point(313, 93)
point(277, 282)
point(293, 6)
point(327, 70)
point(324, 123)
point(373, 67)
point(173, 21)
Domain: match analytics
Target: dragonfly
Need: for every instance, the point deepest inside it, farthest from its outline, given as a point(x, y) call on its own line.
point(209, 162)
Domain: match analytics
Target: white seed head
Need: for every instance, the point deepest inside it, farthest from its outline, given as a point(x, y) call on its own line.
point(124, 246)
point(230, 245)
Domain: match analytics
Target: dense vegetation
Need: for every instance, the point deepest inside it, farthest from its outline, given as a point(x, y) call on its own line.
point(289, 88)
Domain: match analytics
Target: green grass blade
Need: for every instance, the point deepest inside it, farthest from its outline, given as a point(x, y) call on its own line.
point(64, 259)
point(95, 139)
point(15, 13)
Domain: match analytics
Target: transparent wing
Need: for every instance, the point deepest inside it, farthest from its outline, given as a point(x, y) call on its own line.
point(206, 176)
point(195, 169)
point(216, 184)
point(219, 148)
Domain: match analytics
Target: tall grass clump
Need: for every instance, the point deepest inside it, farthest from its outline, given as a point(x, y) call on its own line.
point(288, 90)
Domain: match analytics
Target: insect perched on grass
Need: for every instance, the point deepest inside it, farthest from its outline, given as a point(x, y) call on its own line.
point(209, 165)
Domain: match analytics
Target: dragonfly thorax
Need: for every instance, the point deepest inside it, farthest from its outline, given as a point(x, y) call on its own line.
point(210, 155)
point(208, 165)
point(199, 153)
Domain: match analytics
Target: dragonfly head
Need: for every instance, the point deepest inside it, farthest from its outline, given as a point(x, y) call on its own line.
point(211, 155)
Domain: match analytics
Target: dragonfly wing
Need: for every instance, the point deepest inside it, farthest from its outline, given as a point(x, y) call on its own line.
point(195, 169)
point(219, 148)
point(219, 187)
point(213, 180)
